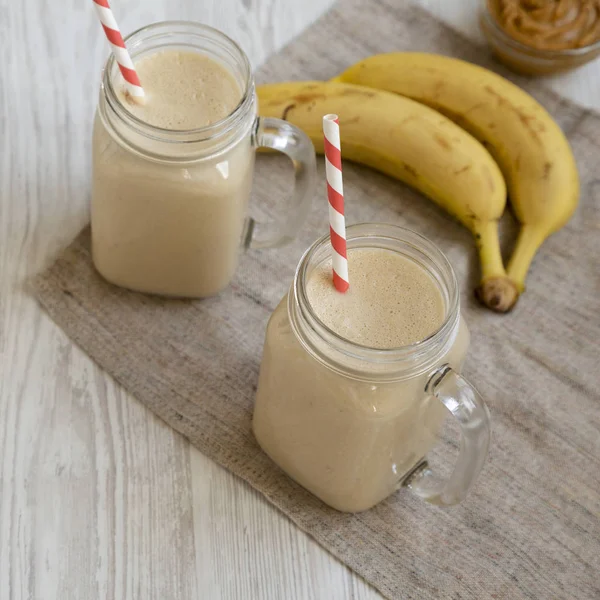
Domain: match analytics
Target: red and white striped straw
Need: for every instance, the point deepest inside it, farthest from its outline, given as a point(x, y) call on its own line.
point(335, 194)
point(111, 29)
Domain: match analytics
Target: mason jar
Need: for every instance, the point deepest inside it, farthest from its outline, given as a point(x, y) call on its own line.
point(170, 207)
point(351, 423)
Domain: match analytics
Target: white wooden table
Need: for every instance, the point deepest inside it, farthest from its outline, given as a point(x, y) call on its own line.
point(98, 498)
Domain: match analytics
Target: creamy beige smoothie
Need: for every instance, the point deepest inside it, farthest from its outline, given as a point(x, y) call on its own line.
point(352, 440)
point(392, 301)
point(163, 226)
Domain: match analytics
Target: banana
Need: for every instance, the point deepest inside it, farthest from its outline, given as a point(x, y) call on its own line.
point(415, 144)
point(529, 146)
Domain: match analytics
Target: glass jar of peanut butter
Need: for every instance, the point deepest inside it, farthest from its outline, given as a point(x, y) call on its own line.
point(537, 37)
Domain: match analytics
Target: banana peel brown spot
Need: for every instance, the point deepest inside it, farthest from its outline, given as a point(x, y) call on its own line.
point(492, 92)
point(463, 170)
point(470, 213)
point(306, 98)
point(411, 170)
point(526, 120)
point(473, 108)
point(547, 169)
point(349, 91)
point(286, 110)
point(438, 88)
point(442, 141)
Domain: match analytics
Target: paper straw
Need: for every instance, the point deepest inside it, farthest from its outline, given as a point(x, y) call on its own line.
point(111, 29)
point(335, 194)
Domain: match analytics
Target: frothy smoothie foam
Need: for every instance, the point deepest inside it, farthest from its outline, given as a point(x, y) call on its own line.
point(184, 90)
point(391, 302)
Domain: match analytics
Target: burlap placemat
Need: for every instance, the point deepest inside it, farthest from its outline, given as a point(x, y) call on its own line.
point(531, 527)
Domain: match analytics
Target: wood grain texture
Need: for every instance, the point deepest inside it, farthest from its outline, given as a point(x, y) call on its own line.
point(98, 498)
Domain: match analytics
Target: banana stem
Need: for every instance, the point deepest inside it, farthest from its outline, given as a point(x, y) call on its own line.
point(495, 291)
point(528, 243)
point(488, 244)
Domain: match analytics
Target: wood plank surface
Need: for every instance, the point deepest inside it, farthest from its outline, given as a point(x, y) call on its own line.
point(98, 498)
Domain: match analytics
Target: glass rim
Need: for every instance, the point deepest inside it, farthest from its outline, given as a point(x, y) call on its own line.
point(378, 231)
point(200, 134)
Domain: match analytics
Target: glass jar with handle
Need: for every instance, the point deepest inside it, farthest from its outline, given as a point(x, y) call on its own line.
point(170, 206)
point(352, 423)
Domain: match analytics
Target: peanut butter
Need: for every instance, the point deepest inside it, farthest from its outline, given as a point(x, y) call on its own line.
point(549, 24)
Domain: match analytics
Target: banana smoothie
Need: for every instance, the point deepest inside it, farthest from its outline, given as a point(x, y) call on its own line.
point(343, 428)
point(162, 222)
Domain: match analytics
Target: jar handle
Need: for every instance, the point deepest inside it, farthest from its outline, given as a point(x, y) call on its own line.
point(287, 138)
point(466, 405)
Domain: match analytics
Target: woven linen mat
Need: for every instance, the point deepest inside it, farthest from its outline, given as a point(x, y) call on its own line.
point(531, 526)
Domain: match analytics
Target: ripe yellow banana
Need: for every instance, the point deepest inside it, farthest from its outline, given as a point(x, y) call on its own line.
point(415, 144)
point(531, 150)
